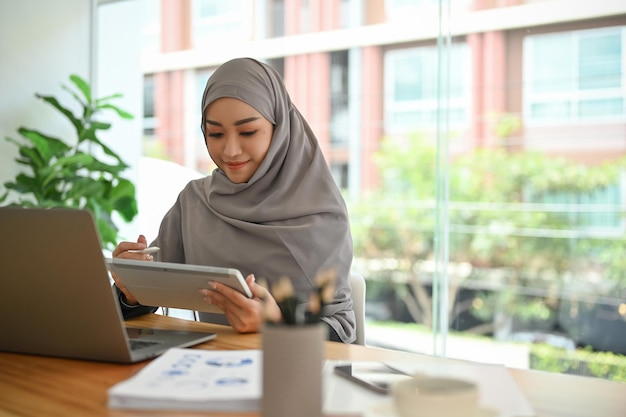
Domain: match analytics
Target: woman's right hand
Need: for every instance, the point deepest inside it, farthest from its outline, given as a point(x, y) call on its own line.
point(121, 251)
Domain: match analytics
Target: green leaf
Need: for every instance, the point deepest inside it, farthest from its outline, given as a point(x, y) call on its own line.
point(122, 113)
point(104, 168)
point(23, 184)
point(106, 149)
point(31, 157)
point(100, 125)
point(103, 100)
point(48, 146)
point(82, 86)
point(86, 187)
point(124, 202)
point(66, 112)
point(68, 165)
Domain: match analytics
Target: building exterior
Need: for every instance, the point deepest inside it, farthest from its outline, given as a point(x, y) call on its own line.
point(512, 75)
point(363, 69)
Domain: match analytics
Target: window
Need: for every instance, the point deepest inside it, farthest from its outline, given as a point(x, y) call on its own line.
point(149, 119)
point(340, 173)
point(277, 18)
point(217, 19)
point(406, 9)
point(339, 124)
point(532, 227)
point(575, 76)
point(411, 86)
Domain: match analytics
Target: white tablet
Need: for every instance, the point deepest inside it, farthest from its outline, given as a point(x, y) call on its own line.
point(166, 284)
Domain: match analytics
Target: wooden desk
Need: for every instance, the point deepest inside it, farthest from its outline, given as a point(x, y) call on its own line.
point(47, 387)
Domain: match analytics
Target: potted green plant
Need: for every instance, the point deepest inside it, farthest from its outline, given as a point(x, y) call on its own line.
point(80, 173)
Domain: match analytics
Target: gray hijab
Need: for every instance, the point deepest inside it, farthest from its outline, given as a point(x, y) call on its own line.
point(290, 217)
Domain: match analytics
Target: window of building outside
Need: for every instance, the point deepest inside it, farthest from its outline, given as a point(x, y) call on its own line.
point(276, 17)
point(576, 76)
point(220, 20)
point(339, 127)
point(150, 142)
point(412, 103)
point(340, 173)
point(529, 122)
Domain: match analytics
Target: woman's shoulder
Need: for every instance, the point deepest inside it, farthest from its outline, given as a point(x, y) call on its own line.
point(195, 188)
point(197, 184)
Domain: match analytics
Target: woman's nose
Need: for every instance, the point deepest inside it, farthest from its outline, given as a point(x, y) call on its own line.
point(232, 147)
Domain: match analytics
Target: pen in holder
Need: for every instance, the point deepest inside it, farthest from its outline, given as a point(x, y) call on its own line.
point(293, 352)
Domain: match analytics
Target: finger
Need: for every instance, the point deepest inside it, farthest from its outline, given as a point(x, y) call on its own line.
point(244, 316)
point(257, 290)
point(142, 239)
point(213, 297)
point(229, 293)
point(271, 311)
point(121, 250)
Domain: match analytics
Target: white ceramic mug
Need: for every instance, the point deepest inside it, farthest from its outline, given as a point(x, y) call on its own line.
point(430, 396)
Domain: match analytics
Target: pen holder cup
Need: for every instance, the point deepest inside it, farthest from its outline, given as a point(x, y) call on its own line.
point(293, 358)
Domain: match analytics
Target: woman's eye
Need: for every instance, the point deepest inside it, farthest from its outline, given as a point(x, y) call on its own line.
point(214, 135)
point(248, 133)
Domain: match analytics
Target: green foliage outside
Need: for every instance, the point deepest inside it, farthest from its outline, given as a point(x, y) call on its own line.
point(604, 365)
point(513, 218)
point(81, 172)
point(543, 357)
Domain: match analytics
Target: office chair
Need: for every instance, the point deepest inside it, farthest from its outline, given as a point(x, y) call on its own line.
point(357, 283)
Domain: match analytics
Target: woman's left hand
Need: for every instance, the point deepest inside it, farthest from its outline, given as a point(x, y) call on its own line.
point(246, 315)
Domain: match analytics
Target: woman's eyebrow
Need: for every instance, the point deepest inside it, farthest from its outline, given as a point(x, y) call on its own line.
point(237, 123)
point(247, 120)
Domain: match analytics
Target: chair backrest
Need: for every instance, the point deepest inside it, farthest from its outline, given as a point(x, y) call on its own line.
point(357, 282)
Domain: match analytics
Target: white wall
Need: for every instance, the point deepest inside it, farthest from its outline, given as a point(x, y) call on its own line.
point(118, 70)
point(42, 43)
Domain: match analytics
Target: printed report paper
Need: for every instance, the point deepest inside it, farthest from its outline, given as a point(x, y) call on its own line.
point(194, 379)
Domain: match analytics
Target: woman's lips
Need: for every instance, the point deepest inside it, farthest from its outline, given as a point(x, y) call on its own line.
point(236, 165)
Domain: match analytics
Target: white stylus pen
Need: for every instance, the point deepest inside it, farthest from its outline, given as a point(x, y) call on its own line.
point(150, 249)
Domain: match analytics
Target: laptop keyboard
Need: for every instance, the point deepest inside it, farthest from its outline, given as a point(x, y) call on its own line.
point(140, 344)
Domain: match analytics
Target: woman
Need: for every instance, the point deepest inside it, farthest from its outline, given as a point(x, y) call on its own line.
point(271, 207)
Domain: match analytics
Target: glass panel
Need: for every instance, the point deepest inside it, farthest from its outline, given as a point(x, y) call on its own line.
point(339, 123)
point(601, 108)
point(551, 110)
point(413, 78)
point(551, 61)
point(528, 122)
point(600, 61)
point(212, 19)
point(277, 18)
point(575, 75)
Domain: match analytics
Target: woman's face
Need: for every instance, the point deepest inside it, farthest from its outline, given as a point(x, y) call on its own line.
point(237, 137)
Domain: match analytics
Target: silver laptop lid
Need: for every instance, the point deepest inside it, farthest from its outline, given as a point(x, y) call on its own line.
point(56, 298)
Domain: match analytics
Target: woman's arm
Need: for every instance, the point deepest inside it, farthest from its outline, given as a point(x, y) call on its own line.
point(129, 311)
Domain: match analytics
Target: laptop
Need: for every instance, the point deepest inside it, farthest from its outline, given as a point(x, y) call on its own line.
point(56, 297)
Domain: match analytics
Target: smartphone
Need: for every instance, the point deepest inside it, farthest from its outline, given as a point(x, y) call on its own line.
point(375, 376)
